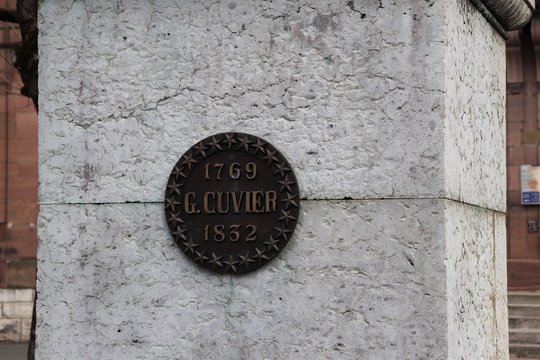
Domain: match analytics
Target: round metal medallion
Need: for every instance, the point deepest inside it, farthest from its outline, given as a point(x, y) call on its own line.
point(232, 202)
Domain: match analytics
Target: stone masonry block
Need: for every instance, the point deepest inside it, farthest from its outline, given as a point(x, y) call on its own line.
point(381, 263)
point(372, 116)
point(476, 282)
point(21, 310)
point(354, 275)
point(26, 328)
point(10, 330)
point(357, 87)
point(474, 131)
point(16, 295)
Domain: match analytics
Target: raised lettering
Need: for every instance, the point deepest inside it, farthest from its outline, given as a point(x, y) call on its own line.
point(218, 166)
point(257, 202)
point(251, 170)
point(248, 201)
point(220, 208)
point(190, 205)
point(271, 198)
point(219, 235)
point(205, 203)
point(234, 235)
point(237, 201)
point(234, 171)
point(252, 236)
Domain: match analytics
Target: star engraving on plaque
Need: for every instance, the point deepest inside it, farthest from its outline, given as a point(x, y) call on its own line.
point(180, 232)
point(189, 160)
point(174, 186)
point(179, 171)
point(287, 216)
point(245, 260)
point(175, 218)
point(200, 258)
point(286, 183)
point(272, 243)
point(229, 140)
point(259, 146)
point(270, 156)
point(215, 261)
point(282, 231)
point(245, 142)
point(282, 169)
point(260, 255)
point(290, 200)
point(200, 146)
point(190, 246)
point(231, 264)
point(215, 144)
point(171, 203)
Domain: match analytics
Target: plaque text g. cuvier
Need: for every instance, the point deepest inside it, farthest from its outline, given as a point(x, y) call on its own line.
point(225, 202)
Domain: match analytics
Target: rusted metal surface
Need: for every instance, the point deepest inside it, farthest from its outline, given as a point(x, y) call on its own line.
point(232, 202)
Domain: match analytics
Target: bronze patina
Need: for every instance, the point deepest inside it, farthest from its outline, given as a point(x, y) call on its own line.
point(232, 202)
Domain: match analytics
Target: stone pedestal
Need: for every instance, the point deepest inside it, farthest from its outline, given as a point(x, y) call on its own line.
point(392, 115)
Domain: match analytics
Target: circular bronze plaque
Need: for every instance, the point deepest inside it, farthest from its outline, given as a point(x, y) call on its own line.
point(232, 202)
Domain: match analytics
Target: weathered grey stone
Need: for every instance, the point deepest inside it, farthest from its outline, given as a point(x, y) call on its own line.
point(476, 282)
point(360, 279)
point(475, 130)
point(361, 88)
point(354, 85)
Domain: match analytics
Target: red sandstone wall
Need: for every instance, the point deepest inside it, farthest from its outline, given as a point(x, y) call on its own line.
point(18, 173)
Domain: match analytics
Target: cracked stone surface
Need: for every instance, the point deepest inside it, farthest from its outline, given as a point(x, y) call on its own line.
point(127, 89)
point(361, 87)
point(111, 287)
point(355, 281)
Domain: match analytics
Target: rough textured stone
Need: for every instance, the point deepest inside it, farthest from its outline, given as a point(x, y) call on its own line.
point(476, 282)
point(360, 279)
point(126, 89)
point(354, 105)
point(474, 156)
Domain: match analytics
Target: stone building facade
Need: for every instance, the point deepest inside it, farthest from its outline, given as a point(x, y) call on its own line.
point(522, 149)
point(18, 193)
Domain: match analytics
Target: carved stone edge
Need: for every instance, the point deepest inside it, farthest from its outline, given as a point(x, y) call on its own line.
point(505, 15)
